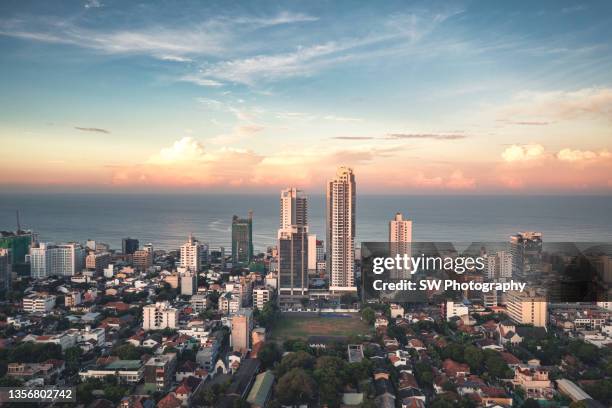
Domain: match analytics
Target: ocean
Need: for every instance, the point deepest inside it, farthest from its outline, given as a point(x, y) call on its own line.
point(166, 220)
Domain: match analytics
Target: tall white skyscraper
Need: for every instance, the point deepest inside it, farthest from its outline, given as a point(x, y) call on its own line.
point(341, 231)
point(192, 254)
point(63, 259)
point(293, 208)
point(400, 241)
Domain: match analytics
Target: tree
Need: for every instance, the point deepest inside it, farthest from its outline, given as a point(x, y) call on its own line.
point(368, 315)
point(331, 374)
point(269, 355)
point(126, 352)
point(72, 356)
point(299, 359)
point(295, 387)
point(473, 357)
point(578, 404)
point(530, 403)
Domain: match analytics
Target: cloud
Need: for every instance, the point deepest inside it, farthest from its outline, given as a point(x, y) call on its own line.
point(93, 4)
point(92, 129)
point(525, 123)
point(457, 181)
point(574, 155)
point(183, 150)
point(534, 107)
point(284, 17)
point(424, 136)
point(341, 118)
point(353, 137)
point(516, 153)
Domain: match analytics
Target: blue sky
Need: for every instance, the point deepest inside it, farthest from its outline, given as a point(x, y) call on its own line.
point(113, 94)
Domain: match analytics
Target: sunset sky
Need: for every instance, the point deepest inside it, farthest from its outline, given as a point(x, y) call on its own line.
point(418, 97)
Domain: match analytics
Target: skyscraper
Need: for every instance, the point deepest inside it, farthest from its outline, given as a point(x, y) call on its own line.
point(400, 242)
point(293, 260)
point(242, 239)
point(293, 241)
point(5, 269)
point(293, 208)
point(129, 245)
point(525, 246)
point(341, 230)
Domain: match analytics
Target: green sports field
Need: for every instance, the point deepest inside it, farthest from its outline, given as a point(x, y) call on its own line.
point(300, 326)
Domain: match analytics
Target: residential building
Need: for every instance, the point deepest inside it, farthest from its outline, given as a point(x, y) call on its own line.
point(527, 308)
point(97, 262)
point(524, 245)
point(199, 303)
point(159, 316)
point(454, 309)
point(38, 303)
point(189, 282)
point(229, 303)
point(534, 381)
point(126, 371)
point(242, 239)
point(72, 299)
point(341, 230)
point(261, 296)
point(142, 259)
point(400, 242)
point(5, 269)
point(47, 259)
point(192, 254)
point(159, 372)
point(293, 208)
point(499, 266)
point(242, 324)
point(293, 260)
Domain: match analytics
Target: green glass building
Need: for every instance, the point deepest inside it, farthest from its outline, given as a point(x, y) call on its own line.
point(242, 240)
point(19, 243)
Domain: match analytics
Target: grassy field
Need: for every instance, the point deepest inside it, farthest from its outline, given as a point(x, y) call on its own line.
point(298, 326)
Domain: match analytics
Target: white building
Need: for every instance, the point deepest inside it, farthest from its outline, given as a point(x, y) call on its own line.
point(454, 309)
point(499, 266)
point(341, 230)
point(159, 316)
point(261, 296)
point(36, 303)
point(293, 208)
point(49, 259)
point(189, 283)
point(400, 242)
point(192, 254)
point(229, 303)
point(199, 303)
point(72, 299)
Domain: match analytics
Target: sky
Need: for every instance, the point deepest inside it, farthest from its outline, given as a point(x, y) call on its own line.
point(461, 97)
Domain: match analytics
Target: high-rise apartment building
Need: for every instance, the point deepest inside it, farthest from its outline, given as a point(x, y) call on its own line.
point(293, 260)
point(525, 246)
point(97, 262)
point(192, 254)
point(293, 208)
point(400, 242)
point(142, 259)
point(242, 239)
point(500, 266)
point(129, 246)
point(293, 243)
point(5, 269)
point(242, 324)
point(159, 316)
point(527, 308)
point(341, 231)
point(48, 259)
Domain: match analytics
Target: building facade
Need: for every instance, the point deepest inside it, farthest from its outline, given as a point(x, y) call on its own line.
point(242, 239)
point(340, 214)
point(159, 316)
point(527, 308)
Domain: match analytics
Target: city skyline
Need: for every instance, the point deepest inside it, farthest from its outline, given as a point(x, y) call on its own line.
point(417, 97)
